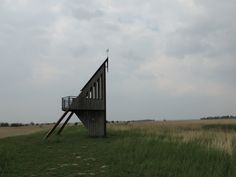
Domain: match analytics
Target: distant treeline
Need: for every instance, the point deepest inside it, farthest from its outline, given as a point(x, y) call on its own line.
point(5, 124)
point(219, 117)
point(130, 121)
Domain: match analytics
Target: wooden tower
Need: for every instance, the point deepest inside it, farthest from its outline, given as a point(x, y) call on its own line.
point(89, 106)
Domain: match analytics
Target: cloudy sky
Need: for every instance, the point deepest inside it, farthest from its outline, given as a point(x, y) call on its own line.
point(169, 59)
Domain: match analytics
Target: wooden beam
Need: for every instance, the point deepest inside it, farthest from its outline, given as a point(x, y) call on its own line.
point(63, 126)
point(55, 126)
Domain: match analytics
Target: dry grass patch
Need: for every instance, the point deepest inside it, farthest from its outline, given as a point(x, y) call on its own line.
point(24, 130)
point(189, 130)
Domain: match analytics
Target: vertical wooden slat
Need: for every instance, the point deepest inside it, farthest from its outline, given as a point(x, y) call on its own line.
point(104, 91)
point(95, 90)
point(98, 81)
point(102, 82)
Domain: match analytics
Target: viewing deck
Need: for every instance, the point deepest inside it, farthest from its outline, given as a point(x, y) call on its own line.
point(77, 103)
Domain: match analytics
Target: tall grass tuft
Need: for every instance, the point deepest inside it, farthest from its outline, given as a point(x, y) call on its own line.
point(5, 161)
point(222, 127)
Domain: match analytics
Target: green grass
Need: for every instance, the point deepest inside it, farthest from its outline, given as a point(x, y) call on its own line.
point(123, 153)
point(222, 127)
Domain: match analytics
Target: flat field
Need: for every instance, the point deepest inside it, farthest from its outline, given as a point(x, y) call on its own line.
point(162, 149)
point(22, 130)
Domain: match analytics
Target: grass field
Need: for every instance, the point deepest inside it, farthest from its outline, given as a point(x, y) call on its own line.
point(22, 130)
point(161, 149)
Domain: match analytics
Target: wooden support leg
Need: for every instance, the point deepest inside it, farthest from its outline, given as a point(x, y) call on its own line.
point(55, 126)
point(63, 126)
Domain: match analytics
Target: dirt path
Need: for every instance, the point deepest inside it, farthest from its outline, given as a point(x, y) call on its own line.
point(25, 130)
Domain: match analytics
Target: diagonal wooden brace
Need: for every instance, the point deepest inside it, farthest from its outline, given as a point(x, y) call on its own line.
point(63, 126)
point(55, 126)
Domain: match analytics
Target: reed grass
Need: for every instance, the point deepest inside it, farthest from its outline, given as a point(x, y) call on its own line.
point(165, 149)
point(219, 134)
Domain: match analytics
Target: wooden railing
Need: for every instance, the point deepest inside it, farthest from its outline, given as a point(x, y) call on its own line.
point(66, 102)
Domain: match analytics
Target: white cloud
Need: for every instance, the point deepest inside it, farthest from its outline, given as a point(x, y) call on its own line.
point(44, 73)
point(159, 50)
point(185, 76)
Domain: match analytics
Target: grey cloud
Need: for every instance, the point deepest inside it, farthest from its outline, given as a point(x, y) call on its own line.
point(50, 49)
point(84, 13)
point(209, 36)
point(82, 10)
point(209, 33)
